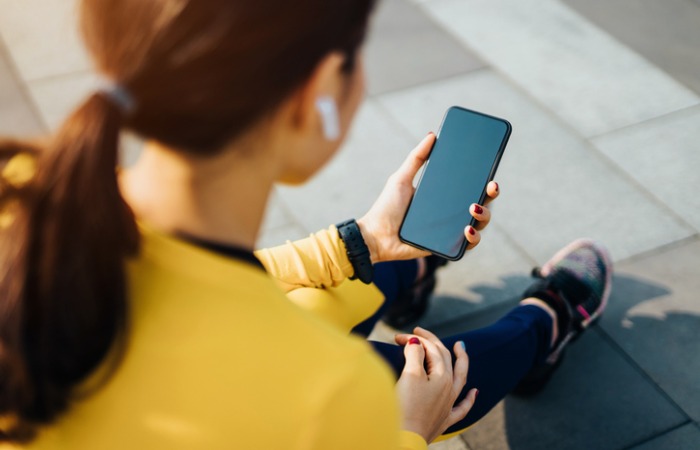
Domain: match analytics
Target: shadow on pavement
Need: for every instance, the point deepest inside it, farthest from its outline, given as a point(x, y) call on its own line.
point(448, 311)
point(602, 397)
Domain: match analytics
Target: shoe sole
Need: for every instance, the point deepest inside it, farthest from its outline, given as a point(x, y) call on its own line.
point(603, 252)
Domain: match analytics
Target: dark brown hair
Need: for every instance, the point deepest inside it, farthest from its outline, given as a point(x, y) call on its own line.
point(200, 72)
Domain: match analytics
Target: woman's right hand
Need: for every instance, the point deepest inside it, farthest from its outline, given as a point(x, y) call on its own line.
point(427, 396)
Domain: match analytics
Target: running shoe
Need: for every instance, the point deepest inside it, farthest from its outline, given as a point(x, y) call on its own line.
point(576, 283)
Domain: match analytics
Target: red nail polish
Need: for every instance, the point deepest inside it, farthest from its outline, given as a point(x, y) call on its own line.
point(496, 186)
point(414, 340)
point(472, 231)
point(478, 209)
point(476, 394)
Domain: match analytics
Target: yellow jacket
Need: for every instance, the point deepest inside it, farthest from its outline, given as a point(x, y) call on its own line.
point(219, 358)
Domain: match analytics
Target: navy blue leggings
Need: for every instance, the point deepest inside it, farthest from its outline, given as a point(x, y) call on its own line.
point(499, 355)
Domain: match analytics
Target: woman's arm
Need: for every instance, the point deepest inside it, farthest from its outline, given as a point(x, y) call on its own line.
point(319, 261)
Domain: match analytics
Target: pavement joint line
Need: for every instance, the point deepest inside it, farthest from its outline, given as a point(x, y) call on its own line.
point(631, 361)
point(399, 90)
point(657, 435)
point(288, 213)
point(667, 247)
point(464, 440)
point(638, 186)
point(23, 86)
point(59, 76)
point(680, 112)
point(423, 7)
point(376, 99)
point(515, 244)
point(284, 226)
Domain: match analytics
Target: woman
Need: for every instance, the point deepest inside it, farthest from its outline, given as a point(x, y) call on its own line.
point(169, 333)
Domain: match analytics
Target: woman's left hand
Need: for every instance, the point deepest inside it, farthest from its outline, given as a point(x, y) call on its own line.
point(380, 226)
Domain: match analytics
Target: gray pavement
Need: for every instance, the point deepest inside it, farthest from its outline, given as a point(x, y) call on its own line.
point(604, 97)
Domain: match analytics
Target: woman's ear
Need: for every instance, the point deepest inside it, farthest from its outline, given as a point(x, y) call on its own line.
point(316, 103)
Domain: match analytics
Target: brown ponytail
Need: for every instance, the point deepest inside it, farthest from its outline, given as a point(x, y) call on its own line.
point(62, 281)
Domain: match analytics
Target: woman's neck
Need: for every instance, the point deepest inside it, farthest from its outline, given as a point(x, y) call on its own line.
point(220, 199)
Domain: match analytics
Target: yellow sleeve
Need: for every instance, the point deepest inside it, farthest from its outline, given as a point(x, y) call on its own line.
point(314, 273)
point(362, 412)
point(344, 306)
point(319, 261)
point(409, 440)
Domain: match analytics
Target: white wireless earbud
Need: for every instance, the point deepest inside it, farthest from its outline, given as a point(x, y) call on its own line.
point(328, 110)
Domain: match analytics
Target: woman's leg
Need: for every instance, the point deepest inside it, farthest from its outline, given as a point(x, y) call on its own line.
point(524, 348)
point(393, 279)
point(499, 356)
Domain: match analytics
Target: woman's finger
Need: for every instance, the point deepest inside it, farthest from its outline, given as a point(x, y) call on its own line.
point(461, 410)
point(415, 357)
point(443, 351)
point(473, 236)
point(493, 190)
point(461, 367)
point(482, 214)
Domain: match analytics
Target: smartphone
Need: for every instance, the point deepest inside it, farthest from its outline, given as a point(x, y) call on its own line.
point(463, 160)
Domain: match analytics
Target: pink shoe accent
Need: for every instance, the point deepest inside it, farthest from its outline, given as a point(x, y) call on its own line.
point(583, 312)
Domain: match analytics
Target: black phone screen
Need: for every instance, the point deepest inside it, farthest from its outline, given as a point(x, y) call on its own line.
point(463, 160)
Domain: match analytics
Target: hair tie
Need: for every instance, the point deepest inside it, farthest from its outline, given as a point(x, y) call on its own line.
point(118, 95)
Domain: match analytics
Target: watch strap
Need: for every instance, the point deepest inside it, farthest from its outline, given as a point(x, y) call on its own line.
point(357, 251)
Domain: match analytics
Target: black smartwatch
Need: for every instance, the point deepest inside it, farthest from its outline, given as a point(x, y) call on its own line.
point(357, 250)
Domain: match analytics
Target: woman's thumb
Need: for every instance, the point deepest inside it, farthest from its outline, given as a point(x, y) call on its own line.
point(415, 356)
point(417, 157)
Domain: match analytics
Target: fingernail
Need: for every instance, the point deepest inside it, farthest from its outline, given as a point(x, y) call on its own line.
point(471, 230)
point(414, 340)
point(476, 394)
point(464, 347)
point(496, 186)
point(478, 209)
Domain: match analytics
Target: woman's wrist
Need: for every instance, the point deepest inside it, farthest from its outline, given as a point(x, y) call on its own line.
point(369, 240)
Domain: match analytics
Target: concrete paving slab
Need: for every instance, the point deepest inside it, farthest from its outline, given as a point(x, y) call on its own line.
point(666, 33)
point(577, 70)
point(57, 97)
point(276, 214)
point(350, 184)
point(597, 400)
point(42, 36)
point(555, 186)
point(455, 443)
point(662, 156)
point(654, 316)
point(685, 438)
point(272, 237)
point(17, 116)
point(406, 48)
